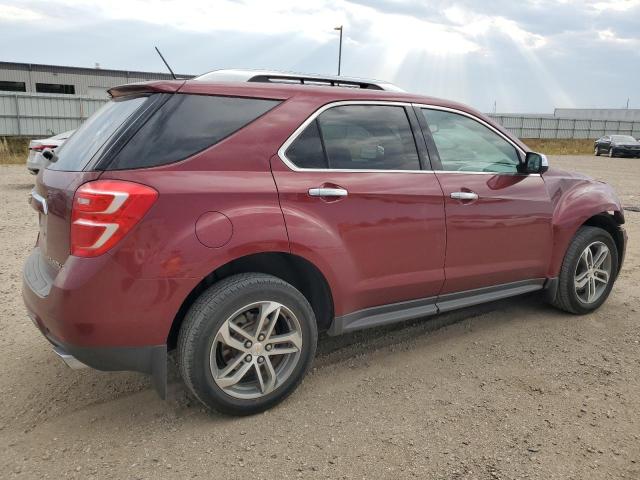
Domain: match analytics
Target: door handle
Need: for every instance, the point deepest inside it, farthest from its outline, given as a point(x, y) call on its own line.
point(328, 192)
point(464, 195)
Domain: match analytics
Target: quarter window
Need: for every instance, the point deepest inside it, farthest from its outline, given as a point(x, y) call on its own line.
point(186, 125)
point(307, 150)
point(466, 145)
point(357, 137)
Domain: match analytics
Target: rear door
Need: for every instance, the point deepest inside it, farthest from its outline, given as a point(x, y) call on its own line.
point(498, 220)
point(358, 204)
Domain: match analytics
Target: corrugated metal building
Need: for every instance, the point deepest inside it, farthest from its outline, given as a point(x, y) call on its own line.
point(84, 82)
point(625, 114)
point(43, 100)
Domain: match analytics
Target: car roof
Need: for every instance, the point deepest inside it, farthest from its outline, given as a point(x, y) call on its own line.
point(328, 94)
point(293, 78)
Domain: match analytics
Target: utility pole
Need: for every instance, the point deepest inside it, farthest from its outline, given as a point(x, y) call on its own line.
point(627, 103)
point(339, 49)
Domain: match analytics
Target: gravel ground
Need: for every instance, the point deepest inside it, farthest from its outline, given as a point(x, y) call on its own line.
point(514, 389)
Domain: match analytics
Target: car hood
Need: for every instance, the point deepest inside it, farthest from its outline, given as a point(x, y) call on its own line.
point(626, 144)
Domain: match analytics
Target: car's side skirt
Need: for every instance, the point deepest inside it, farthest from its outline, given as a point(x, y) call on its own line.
point(424, 307)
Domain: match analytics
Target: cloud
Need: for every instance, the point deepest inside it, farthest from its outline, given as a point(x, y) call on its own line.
point(530, 55)
point(10, 13)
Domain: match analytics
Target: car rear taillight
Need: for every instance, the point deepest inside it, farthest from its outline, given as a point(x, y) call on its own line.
point(104, 211)
point(39, 148)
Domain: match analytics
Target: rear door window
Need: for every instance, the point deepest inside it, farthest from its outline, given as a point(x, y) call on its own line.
point(357, 137)
point(76, 152)
point(185, 125)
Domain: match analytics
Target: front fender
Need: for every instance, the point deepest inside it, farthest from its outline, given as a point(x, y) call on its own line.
point(574, 203)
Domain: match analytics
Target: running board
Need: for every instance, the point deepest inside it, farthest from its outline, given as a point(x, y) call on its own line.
point(424, 307)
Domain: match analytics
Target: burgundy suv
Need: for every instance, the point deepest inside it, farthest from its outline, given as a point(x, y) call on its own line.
point(233, 216)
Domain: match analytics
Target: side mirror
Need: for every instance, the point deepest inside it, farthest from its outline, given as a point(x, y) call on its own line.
point(536, 163)
point(48, 154)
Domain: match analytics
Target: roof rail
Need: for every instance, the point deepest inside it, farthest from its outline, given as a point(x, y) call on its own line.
point(265, 76)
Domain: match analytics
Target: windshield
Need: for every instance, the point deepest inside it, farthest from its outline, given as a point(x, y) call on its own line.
point(622, 138)
point(76, 152)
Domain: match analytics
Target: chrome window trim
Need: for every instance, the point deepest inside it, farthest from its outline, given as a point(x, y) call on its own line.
point(292, 138)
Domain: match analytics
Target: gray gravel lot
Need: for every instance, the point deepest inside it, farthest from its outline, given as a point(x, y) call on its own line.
point(514, 389)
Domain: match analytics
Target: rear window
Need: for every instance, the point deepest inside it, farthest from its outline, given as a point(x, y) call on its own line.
point(185, 125)
point(76, 152)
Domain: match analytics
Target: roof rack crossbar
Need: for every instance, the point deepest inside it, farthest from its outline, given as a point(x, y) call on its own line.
point(269, 76)
point(313, 80)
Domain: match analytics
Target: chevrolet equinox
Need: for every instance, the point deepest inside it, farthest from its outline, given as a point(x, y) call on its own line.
point(233, 216)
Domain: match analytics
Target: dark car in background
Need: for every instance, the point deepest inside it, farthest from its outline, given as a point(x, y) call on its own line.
point(617, 145)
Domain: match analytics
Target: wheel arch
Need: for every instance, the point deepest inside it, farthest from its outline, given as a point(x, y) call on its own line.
point(611, 224)
point(293, 269)
point(608, 220)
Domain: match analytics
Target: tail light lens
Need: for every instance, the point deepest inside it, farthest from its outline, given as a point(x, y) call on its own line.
point(104, 211)
point(40, 148)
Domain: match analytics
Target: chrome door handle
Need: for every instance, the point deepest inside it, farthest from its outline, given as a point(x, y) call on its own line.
point(328, 192)
point(464, 195)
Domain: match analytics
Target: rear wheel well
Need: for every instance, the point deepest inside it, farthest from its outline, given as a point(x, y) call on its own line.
point(611, 224)
point(293, 269)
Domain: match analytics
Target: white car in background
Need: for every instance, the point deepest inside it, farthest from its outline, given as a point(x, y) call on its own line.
point(35, 160)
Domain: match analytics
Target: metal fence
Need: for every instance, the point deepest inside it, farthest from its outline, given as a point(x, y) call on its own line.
point(529, 126)
point(38, 115)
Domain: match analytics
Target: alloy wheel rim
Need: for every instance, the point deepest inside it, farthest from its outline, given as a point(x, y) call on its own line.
point(255, 350)
point(593, 272)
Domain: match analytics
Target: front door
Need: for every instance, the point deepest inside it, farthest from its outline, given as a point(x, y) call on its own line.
point(498, 220)
point(358, 205)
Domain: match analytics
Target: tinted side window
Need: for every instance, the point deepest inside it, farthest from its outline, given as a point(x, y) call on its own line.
point(373, 137)
point(306, 151)
point(466, 145)
point(185, 125)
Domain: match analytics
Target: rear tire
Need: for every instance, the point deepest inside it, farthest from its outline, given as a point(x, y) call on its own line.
point(234, 351)
point(589, 268)
point(596, 151)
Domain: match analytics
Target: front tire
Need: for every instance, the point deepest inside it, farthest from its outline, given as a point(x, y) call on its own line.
point(246, 343)
point(611, 153)
point(588, 271)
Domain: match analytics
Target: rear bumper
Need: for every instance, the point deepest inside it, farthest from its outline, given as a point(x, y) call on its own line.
point(95, 313)
point(148, 359)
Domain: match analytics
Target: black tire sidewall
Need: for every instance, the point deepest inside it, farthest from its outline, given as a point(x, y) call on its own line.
point(594, 235)
point(210, 321)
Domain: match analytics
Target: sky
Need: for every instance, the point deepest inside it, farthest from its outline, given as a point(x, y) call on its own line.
point(525, 56)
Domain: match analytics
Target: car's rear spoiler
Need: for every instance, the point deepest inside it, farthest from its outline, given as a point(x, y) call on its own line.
point(163, 86)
